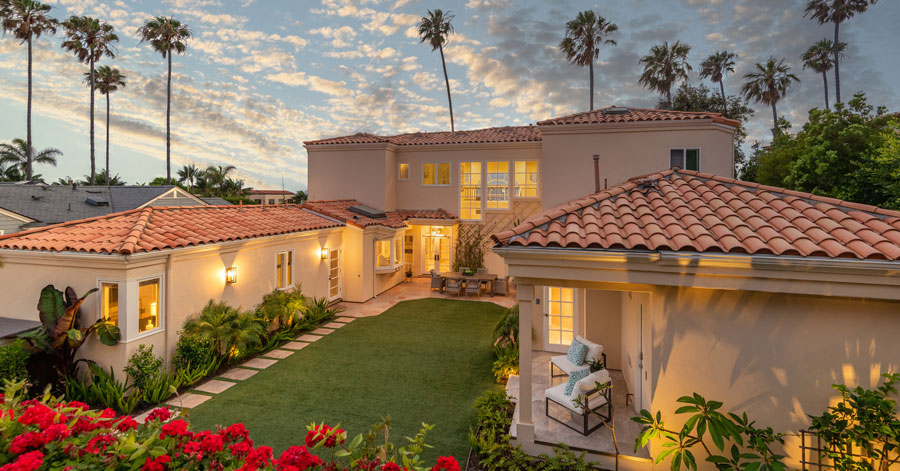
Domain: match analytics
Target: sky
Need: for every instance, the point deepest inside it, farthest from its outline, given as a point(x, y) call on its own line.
point(261, 76)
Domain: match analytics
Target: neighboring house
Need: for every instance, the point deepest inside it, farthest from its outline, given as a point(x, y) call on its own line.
point(270, 196)
point(756, 296)
point(491, 178)
point(28, 205)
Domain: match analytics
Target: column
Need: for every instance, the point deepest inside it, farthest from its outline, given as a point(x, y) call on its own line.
point(525, 424)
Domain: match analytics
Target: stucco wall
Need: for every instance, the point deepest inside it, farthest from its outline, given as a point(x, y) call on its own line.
point(349, 173)
point(603, 323)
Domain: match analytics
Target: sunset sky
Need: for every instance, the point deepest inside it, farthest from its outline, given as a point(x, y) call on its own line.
point(262, 76)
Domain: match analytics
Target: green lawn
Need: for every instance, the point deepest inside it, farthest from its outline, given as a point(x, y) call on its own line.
point(420, 361)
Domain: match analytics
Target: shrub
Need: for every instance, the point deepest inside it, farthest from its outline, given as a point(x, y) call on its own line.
point(160, 387)
point(193, 352)
point(506, 364)
point(102, 389)
point(230, 330)
point(506, 345)
point(13, 361)
point(281, 309)
point(318, 311)
point(469, 248)
point(490, 439)
point(143, 366)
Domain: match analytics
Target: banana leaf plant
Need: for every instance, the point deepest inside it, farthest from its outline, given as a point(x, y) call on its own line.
point(60, 336)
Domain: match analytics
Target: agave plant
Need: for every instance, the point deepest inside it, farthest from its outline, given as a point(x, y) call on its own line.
point(59, 336)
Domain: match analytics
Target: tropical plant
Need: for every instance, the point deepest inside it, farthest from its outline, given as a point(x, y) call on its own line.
point(319, 310)
point(26, 20)
point(192, 352)
point(13, 362)
point(282, 309)
point(490, 437)
point(215, 179)
point(100, 388)
point(837, 12)
point(189, 174)
point(820, 59)
point(232, 187)
point(584, 36)
point(767, 84)
point(143, 366)
point(664, 66)
point(160, 386)
point(506, 363)
point(101, 179)
point(89, 39)
point(10, 173)
point(716, 67)
point(229, 329)
point(19, 156)
point(300, 197)
point(108, 80)
point(506, 331)
point(59, 336)
point(166, 36)
point(435, 29)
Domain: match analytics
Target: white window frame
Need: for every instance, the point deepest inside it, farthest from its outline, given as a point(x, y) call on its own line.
point(161, 308)
point(576, 317)
point(684, 157)
point(408, 171)
point(396, 259)
point(486, 193)
point(121, 286)
point(449, 174)
point(289, 271)
point(459, 191)
point(537, 192)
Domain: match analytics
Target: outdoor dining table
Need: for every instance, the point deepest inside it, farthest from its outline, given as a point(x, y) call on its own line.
point(481, 277)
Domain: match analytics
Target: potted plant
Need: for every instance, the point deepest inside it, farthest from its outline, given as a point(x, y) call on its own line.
point(409, 272)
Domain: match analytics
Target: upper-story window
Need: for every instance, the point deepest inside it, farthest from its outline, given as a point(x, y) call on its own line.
point(284, 262)
point(109, 302)
point(688, 159)
point(497, 185)
point(148, 305)
point(404, 171)
point(436, 173)
point(526, 179)
point(470, 191)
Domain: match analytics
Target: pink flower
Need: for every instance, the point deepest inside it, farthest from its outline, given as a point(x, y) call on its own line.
point(30, 461)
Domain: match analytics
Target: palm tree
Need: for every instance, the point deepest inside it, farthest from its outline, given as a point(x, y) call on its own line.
point(716, 67)
point(90, 40)
point(664, 66)
point(229, 329)
point(584, 36)
point(768, 84)
point(166, 36)
point(26, 20)
point(188, 174)
point(101, 179)
point(107, 80)
point(300, 197)
point(837, 12)
point(434, 29)
point(820, 59)
point(9, 173)
point(18, 154)
point(216, 176)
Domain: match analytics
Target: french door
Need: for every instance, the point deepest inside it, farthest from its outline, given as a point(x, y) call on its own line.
point(560, 318)
point(436, 243)
point(334, 274)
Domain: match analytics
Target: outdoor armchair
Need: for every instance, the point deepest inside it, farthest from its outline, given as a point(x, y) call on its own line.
point(592, 401)
point(562, 363)
point(437, 281)
point(501, 286)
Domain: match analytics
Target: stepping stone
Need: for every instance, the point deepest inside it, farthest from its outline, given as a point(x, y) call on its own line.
point(322, 331)
point(334, 325)
point(278, 353)
point(259, 363)
point(238, 374)
point(309, 338)
point(295, 345)
point(345, 320)
point(214, 386)
point(188, 401)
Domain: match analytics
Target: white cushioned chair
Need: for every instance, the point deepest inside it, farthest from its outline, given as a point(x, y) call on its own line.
point(593, 400)
point(562, 363)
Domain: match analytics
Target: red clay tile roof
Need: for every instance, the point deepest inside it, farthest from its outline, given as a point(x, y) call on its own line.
point(149, 229)
point(339, 209)
point(687, 211)
point(476, 136)
point(630, 115)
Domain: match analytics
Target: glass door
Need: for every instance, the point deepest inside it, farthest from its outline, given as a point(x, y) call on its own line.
point(559, 319)
point(436, 242)
point(334, 274)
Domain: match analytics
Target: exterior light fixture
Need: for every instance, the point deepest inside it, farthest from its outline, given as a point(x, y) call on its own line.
point(231, 275)
point(324, 253)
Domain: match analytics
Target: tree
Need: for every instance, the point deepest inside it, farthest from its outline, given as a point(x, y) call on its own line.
point(188, 174)
point(300, 197)
point(435, 29)
point(215, 177)
point(768, 84)
point(716, 67)
point(166, 36)
point(107, 81)
point(664, 66)
point(101, 178)
point(584, 36)
point(19, 155)
point(837, 12)
point(26, 20)
point(820, 59)
point(90, 40)
point(10, 173)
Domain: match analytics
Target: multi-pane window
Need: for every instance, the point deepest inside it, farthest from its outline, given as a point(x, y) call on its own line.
point(497, 185)
point(398, 251)
point(526, 179)
point(561, 315)
point(436, 173)
point(284, 262)
point(688, 159)
point(404, 171)
point(408, 250)
point(383, 253)
point(109, 307)
point(148, 305)
point(470, 191)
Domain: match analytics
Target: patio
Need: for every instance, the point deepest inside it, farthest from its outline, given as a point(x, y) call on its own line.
point(548, 432)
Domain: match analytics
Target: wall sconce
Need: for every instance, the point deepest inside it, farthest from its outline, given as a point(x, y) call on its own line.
point(231, 275)
point(324, 253)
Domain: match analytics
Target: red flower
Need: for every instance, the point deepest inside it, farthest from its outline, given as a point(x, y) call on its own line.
point(175, 428)
point(241, 449)
point(392, 467)
point(74, 404)
point(297, 458)
point(28, 462)
point(54, 432)
point(162, 414)
point(26, 441)
point(86, 424)
point(257, 458)
point(39, 415)
point(156, 464)
point(127, 423)
point(331, 436)
point(99, 443)
point(446, 463)
point(234, 432)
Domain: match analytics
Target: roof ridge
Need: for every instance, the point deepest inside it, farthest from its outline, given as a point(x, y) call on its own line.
point(134, 236)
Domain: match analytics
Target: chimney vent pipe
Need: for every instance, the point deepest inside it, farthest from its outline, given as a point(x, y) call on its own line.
point(596, 173)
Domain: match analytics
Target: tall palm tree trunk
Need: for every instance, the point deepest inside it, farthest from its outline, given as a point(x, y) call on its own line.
point(93, 160)
point(825, 79)
point(774, 122)
point(108, 178)
point(837, 67)
point(591, 68)
point(28, 153)
point(724, 100)
point(168, 122)
point(447, 81)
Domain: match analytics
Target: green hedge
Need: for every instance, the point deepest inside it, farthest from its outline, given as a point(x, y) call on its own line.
point(13, 361)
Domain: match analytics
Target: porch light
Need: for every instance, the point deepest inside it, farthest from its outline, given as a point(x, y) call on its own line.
point(231, 275)
point(324, 253)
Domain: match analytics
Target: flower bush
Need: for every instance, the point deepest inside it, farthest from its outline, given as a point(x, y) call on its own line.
point(52, 434)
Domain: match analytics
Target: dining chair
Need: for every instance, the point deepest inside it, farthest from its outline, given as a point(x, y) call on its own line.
point(453, 286)
point(501, 286)
point(473, 287)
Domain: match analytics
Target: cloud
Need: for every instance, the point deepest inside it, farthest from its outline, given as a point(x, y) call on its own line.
point(318, 84)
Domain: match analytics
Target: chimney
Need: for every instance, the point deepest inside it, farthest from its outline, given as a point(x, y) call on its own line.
point(596, 173)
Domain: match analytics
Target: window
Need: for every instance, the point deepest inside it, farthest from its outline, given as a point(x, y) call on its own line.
point(498, 185)
point(148, 305)
point(398, 251)
point(284, 269)
point(526, 179)
point(688, 159)
point(436, 174)
point(408, 250)
point(404, 171)
point(470, 191)
point(383, 253)
point(109, 307)
point(271, 201)
point(561, 315)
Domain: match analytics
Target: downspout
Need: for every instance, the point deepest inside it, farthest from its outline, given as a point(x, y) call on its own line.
point(168, 315)
point(596, 173)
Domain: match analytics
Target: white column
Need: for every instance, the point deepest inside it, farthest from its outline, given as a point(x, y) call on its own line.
point(525, 424)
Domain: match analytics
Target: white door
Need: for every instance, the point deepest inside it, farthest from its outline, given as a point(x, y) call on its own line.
point(334, 274)
point(560, 314)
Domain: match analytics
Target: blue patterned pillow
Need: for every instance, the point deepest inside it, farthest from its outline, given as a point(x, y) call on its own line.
point(574, 377)
point(577, 352)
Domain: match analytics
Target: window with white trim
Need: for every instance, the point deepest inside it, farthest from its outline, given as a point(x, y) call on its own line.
point(284, 263)
point(148, 304)
point(389, 253)
point(404, 171)
point(526, 179)
point(436, 173)
point(470, 191)
point(688, 159)
point(497, 185)
point(109, 303)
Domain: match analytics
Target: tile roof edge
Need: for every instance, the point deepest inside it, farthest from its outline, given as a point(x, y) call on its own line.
point(134, 236)
point(73, 222)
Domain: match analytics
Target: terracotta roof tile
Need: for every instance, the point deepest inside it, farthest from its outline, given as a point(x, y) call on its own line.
point(156, 228)
point(340, 210)
point(475, 136)
point(615, 114)
point(683, 210)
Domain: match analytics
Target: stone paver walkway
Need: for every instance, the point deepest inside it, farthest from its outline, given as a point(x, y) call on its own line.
point(309, 338)
point(419, 288)
point(322, 331)
point(279, 354)
point(239, 374)
point(259, 363)
point(295, 345)
point(214, 386)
